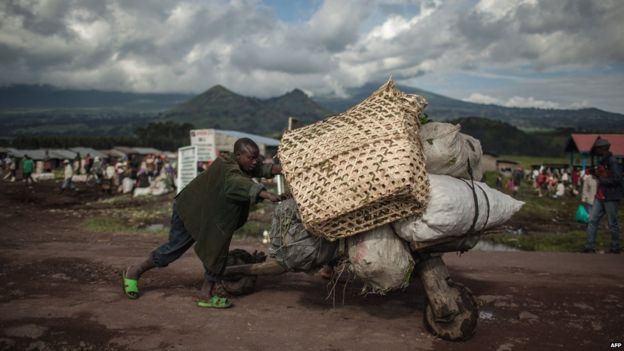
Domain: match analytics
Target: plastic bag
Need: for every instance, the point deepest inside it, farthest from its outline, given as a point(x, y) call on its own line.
point(380, 259)
point(292, 246)
point(581, 214)
point(447, 151)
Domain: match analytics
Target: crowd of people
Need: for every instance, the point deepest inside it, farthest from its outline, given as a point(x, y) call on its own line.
point(152, 174)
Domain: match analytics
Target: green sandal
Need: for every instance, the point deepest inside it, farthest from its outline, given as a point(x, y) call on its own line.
point(130, 287)
point(215, 302)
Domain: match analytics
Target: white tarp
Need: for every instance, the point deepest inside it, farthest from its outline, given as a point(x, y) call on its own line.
point(447, 151)
point(380, 259)
point(451, 210)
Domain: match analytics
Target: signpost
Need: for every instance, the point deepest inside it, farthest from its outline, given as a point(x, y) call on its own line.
point(187, 165)
point(204, 139)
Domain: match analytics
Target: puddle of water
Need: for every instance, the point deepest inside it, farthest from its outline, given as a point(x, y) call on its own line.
point(155, 227)
point(486, 315)
point(488, 246)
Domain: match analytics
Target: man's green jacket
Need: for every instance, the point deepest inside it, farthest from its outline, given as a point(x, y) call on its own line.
point(215, 204)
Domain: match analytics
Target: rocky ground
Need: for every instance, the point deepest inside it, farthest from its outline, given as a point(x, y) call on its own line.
point(60, 289)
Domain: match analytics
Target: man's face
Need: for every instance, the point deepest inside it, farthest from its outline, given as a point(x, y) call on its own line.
point(247, 159)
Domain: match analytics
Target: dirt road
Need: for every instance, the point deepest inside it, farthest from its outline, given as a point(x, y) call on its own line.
point(60, 289)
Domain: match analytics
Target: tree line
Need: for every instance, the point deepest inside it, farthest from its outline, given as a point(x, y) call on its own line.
point(160, 135)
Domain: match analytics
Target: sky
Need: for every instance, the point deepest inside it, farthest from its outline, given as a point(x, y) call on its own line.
point(524, 53)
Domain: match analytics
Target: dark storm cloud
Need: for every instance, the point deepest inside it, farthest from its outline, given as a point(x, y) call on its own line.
point(190, 45)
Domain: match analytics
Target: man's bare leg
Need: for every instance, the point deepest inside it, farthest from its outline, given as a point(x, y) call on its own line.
point(135, 272)
point(206, 291)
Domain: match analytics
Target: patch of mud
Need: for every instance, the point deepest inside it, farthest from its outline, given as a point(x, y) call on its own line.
point(51, 276)
point(56, 334)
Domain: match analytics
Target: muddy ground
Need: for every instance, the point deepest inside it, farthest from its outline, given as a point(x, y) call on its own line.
point(60, 289)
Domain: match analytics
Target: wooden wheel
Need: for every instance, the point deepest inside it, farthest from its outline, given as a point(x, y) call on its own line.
point(457, 327)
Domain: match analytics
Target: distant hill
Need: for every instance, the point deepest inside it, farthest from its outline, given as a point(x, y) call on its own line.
point(445, 108)
point(499, 138)
point(46, 110)
point(50, 97)
point(221, 108)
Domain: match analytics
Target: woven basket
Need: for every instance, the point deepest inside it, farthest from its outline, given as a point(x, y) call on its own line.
point(360, 169)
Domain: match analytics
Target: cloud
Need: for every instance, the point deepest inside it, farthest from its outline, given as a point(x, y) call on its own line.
point(519, 101)
point(482, 99)
point(190, 45)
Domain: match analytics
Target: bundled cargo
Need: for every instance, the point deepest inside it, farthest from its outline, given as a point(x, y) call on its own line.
point(449, 152)
point(457, 207)
point(292, 246)
point(360, 169)
point(380, 259)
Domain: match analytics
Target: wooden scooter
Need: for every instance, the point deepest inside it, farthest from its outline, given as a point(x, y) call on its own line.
point(451, 311)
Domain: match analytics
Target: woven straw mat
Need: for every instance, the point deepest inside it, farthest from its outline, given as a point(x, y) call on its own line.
point(360, 169)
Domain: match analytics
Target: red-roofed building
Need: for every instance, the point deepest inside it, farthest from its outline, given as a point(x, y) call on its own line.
point(582, 144)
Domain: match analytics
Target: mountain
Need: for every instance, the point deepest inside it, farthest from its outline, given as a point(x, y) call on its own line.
point(221, 108)
point(498, 137)
point(444, 108)
point(24, 96)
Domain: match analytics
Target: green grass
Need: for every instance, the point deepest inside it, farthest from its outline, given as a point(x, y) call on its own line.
point(548, 224)
point(106, 224)
point(528, 161)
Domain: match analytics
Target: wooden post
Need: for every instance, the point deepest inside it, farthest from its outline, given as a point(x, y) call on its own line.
point(269, 267)
point(434, 275)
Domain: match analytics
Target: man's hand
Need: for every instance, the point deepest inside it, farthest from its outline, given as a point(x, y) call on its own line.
point(270, 196)
point(277, 169)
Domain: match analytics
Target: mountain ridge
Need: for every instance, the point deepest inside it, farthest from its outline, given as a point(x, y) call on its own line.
point(219, 107)
point(443, 108)
point(40, 109)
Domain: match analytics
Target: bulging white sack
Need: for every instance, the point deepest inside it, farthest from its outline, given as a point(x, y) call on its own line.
point(451, 210)
point(447, 151)
point(380, 259)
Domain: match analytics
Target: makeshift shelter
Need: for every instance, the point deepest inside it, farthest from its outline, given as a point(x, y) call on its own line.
point(146, 151)
point(581, 145)
point(488, 162)
point(505, 167)
point(87, 150)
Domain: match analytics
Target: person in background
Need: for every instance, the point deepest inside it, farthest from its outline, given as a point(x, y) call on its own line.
point(28, 166)
point(9, 167)
point(88, 164)
point(541, 183)
point(509, 185)
point(97, 169)
point(559, 190)
point(590, 185)
point(78, 163)
point(565, 178)
point(608, 195)
point(68, 173)
point(517, 175)
point(576, 178)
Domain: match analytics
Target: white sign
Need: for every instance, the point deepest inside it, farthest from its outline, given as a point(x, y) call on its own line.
point(204, 139)
point(187, 166)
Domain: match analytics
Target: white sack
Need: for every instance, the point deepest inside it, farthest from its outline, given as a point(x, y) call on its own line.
point(142, 192)
point(127, 184)
point(380, 259)
point(451, 210)
point(447, 151)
